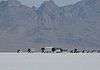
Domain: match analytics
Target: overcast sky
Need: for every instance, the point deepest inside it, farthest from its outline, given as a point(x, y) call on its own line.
point(38, 2)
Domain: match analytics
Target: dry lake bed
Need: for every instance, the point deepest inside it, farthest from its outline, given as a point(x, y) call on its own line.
point(39, 61)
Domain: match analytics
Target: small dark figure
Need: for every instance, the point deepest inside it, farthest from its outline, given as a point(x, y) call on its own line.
point(93, 51)
point(85, 51)
point(61, 50)
point(18, 51)
point(53, 50)
point(75, 50)
point(43, 50)
point(29, 50)
point(71, 51)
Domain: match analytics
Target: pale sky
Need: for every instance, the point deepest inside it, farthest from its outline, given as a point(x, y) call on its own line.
point(38, 2)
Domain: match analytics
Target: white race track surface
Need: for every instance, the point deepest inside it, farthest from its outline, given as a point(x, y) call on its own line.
point(39, 61)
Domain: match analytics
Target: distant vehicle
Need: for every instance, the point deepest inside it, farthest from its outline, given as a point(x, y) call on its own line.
point(51, 50)
point(19, 51)
point(58, 50)
point(43, 50)
point(26, 50)
point(48, 49)
point(29, 50)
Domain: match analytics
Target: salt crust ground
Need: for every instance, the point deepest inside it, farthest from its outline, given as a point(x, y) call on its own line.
point(39, 61)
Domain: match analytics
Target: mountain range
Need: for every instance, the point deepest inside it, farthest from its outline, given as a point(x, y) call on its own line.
point(72, 26)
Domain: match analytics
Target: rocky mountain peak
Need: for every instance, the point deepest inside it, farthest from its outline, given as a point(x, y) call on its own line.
point(14, 3)
point(48, 7)
point(49, 4)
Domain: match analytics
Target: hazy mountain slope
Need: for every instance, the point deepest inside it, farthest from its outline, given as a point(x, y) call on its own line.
point(69, 26)
point(17, 24)
point(76, 24)
point(85, 15)
point(52, 26)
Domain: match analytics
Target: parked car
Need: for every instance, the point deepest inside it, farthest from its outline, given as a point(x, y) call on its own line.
point(48, 49)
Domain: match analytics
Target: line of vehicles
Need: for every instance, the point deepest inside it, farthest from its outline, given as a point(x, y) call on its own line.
point(55, 50)
point(42, 50)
